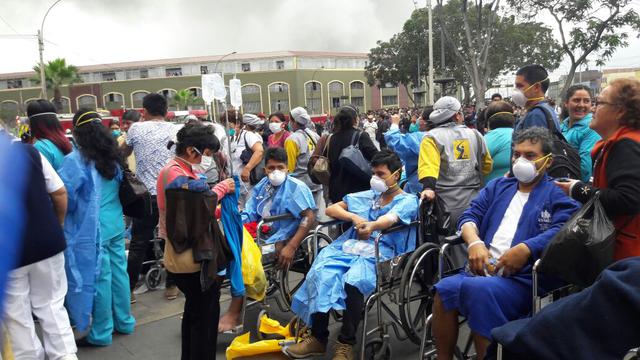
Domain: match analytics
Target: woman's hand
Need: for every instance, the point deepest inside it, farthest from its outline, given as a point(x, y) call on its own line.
point(565, 185)
point(231, 185)
point(245, 175)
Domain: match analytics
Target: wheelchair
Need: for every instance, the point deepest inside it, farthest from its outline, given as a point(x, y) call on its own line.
point(405, 281)
point(445, 268)
point(285, 282)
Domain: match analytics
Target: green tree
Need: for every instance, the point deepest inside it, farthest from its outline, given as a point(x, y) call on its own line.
point(184, 99)
point(57, 74)
point(485, 44)
point(586, 27)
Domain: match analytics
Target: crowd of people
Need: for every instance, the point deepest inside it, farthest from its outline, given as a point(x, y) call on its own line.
point(499, 172)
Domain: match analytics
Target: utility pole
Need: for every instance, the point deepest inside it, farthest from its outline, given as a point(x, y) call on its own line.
point(43, 83)
point(430, 99)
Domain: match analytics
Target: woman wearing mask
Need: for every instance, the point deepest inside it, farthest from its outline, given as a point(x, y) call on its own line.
point(342, 182)
point(94, 223)
point(279, 135)
point(616, 161)
point(499, 126)
point(196, 143)
point(245, 138)
point(575, 127)
point(48, 136)
point(114, 125)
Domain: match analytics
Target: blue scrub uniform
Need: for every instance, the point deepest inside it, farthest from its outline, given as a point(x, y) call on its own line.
point(407, 146)
point(333, 268)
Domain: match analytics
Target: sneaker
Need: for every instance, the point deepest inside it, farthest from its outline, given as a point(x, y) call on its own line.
point(139, 290)
point(309, 346)
point(343, 351)
point(171, 293)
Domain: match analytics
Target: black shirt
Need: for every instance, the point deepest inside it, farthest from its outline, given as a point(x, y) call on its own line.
point(342, 182)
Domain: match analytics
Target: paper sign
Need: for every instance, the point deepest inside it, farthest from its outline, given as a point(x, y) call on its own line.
point(213, 88)
point(235, 92)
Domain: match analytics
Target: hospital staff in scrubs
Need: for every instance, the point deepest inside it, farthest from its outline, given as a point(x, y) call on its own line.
point(344, 272)
point(98, 298)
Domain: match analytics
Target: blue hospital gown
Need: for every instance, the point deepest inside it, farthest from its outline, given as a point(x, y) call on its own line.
point(333, 268)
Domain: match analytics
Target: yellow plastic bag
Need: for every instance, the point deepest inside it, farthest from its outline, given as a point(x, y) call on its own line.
point(5, 346)
point(240, 346)
point(255, 282)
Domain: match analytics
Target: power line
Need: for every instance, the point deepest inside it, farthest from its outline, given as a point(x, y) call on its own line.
point(9, 25)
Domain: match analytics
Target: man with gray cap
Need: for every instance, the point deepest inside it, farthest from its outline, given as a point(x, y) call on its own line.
point(246, 138)
point(299, 146)
point(453, 158)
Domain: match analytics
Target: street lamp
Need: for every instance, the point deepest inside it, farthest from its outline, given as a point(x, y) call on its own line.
point(43, 83)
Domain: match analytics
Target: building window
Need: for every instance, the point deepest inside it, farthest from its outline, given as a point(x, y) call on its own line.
point(279, 87)
point(144, 73)
point(196, 92)
point(314, 105)
point(252, 107)
point(358, 101)
point(14, 84)
point(109, 76)
point(246, 67)
point(280, 64)
point(335, 102)
point(336, 87)
point(250, 89)
point(357, 85)
point(389, 100)
point(279, 105)
point(169, 72)
point(87, 101)
point(204, 69)
point(136, 98)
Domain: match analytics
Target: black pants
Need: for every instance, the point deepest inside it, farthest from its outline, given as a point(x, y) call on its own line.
point(350, 321)
point(142, 233)
point(200, 318)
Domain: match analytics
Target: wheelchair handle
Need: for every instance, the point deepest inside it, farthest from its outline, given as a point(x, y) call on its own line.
point(280, 217)
point(453, 240)
point(330, 222)
point(399, 227)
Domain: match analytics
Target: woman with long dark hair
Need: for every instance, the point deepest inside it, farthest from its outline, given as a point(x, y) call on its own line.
point(47, 132)
point(94, 229)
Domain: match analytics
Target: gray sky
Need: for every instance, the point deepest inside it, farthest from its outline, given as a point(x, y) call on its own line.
point(104, 31)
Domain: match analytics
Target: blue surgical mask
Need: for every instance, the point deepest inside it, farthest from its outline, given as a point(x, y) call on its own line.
point(232, 132)
point(116, 133)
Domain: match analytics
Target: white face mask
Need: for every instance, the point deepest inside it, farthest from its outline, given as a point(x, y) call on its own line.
point(519, 98)
point(378, 184)
point(277, 177)
point(275, 127)
point(525, 170)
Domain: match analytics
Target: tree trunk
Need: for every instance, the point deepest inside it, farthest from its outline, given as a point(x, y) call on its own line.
point(406, 88)
point(568, 82)
point(57, 99)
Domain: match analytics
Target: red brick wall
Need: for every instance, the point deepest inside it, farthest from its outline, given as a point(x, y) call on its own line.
point(77, 90)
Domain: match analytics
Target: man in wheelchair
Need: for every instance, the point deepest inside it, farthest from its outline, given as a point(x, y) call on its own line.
point(506, 229)
point(345, 271)
point(277, 194)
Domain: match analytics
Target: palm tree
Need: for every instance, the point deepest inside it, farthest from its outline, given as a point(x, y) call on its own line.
point(184, 99)
point(57, 74)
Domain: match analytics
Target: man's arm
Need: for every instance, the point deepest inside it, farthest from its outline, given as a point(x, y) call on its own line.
point(339, 211)
point(55, 188)
point(59, 200)
point(287, 253)
point(428, 166)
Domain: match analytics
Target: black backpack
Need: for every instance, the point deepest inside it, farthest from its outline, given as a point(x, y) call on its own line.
point(566, 158)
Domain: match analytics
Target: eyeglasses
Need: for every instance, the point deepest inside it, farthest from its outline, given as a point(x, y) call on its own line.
point(600, 103)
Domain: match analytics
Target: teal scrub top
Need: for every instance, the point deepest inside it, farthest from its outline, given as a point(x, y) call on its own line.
point(111, 218)
point(51, 152)
point(499, 144)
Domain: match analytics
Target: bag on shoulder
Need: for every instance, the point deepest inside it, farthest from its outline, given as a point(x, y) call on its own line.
point(352, 160)
point(319, 169)
point(134, 195)
point(257, 173)
point(566, 158)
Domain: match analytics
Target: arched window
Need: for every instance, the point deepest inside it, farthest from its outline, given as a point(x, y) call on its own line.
point(313, 97)
point(279, 97)
point(136, 98)
point(336, 93)
point(251, 98)
point(113, 100)
point(8, 109)
point(87, 101)
point(356, 94)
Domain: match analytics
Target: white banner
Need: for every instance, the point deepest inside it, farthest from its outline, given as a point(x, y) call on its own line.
point(235, 93)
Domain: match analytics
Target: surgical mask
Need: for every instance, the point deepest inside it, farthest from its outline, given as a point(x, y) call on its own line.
point(520, 98)
point(379, 184)
point(232, 132)
point(116, 133)
point(525, 170)
point(275, 127)
point(277, 177)
point(204, 165)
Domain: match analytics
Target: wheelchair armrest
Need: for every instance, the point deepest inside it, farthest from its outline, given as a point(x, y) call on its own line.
point(272, 219)
point(399, 227)
point(453, 240)
point(330, 222)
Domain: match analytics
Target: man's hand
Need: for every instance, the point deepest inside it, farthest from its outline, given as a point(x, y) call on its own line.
point(395, 119)
point(245, 175)
point(566, 185)
point(478, 258)
point(365, 230)
point(285, 256)
point(428, 194)
point(513, 259)
point(357, 220)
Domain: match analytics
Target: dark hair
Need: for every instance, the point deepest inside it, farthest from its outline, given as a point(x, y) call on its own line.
point(155, 104)
point(47, 126)
point(114, 122)
point(535, 73)
point(345, 118)
point(231, 115)
point(627, 94)
point(279, 115)
point(534, 135)
point(426, 112)
point(496, 95)
point(199, 136)
point(131, 115)
point(575, 88)
point(494, 120)
point(389, 158)
point(95, 142)
point(276, 154)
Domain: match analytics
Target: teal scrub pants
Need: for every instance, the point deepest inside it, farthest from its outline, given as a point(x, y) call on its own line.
point(112, 303)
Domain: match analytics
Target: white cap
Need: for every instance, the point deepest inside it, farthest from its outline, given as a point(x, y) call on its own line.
point(444, 109)
point(301, 116)
point(252, 120)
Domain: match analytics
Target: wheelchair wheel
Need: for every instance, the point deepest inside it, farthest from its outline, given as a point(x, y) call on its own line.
point(154, 277)
point(292, 278)
point(377, 349)
point(419, 275)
